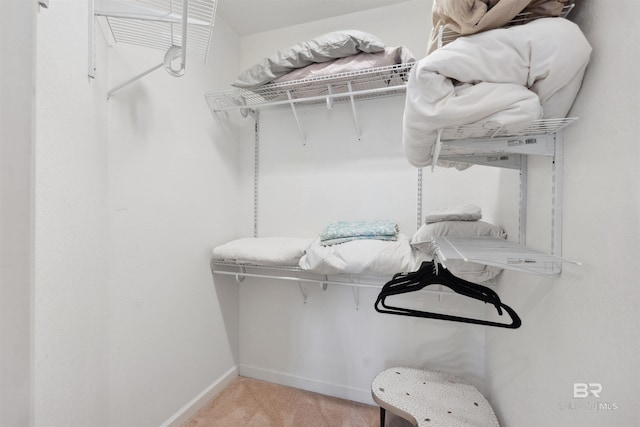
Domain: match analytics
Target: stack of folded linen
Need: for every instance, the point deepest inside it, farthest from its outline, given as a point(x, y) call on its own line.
point(346, 231)
point(359, 247)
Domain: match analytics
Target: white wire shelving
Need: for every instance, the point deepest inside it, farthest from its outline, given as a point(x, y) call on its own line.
point(325, 90)
point(496, 252)
point(508, 147)
point(485, 144)
point(294, 274)
point(304, 278)
point(490, 144)
point(181, 28)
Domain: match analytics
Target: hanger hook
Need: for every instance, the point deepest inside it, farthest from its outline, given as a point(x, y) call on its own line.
point(172, 53)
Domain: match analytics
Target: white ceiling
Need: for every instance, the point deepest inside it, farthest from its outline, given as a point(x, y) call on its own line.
point(255, 16)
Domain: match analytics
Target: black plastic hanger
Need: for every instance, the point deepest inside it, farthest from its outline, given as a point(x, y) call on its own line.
point(431, 273)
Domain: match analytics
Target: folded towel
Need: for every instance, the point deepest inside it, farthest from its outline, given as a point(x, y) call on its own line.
point(263, 250)
point(358, 230)
point(458, 213)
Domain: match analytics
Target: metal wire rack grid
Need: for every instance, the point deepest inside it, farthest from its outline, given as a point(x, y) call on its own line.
point(167, 30)
point(362, 84)
point(493, 130)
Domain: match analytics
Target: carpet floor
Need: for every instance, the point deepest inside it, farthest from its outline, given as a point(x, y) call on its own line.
point(252, 403)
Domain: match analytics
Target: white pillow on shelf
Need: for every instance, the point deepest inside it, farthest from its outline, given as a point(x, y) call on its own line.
point(337, 44)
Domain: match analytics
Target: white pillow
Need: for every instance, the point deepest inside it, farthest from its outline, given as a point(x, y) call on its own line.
point(368, 256)
point(337, 44)
point(471, 271)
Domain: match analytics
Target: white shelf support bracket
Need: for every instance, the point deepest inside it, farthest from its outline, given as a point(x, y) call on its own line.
point(330, 97)
point(133, 79)
point(324, 284)
point(557, 184)
point(419, 201)
point(353, 110)
point(356, 296)
point(295, 115)
point(92, 40)
point(522, 202)
point(303, 292)
point(256, 172)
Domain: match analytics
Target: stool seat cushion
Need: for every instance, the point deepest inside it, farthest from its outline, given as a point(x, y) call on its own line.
point(430, 398)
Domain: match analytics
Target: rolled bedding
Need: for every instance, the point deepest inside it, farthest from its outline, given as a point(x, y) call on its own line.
point(366, 257)
point(506, 77)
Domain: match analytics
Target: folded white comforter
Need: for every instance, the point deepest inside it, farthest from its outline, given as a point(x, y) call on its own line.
point(506, 76)
point(367, 257)
point(271, 251)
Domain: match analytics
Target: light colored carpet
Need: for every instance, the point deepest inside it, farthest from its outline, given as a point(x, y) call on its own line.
point(252, 403)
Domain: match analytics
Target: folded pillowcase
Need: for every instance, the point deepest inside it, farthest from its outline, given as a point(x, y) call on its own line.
point(458, 213)
point(471, 271)
point(285, 251)
point(337, 44)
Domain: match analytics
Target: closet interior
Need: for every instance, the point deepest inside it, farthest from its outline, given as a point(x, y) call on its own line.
point(487, 143)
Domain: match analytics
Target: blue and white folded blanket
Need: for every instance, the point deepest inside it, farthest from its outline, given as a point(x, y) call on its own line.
point(345, 231)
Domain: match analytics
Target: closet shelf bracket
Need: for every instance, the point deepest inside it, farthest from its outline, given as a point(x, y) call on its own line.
point(303, 292)
point(356, 297)
point(295, 116)
point(353, 110)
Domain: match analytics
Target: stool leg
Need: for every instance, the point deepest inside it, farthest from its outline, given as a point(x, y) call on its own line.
point(382, 414)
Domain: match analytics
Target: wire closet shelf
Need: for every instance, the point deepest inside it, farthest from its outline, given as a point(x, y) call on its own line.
point(158, 24)
point(181, 28)
point(343, 87)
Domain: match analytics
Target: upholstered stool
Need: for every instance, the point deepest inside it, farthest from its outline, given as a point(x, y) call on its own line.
point(428, 399)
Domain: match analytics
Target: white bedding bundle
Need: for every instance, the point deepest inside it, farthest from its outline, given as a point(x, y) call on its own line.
point(506, 76)
point(370, 257)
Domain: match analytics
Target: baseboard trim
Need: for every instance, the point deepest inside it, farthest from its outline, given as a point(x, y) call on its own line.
point(198, 402)
point(309, 384)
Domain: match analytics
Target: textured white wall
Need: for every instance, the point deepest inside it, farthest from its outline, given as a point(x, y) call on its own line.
point(71, 340)
point(583, 327)
point(173, 195)
point(326, 344)
point(131, 195)
point(17, 140)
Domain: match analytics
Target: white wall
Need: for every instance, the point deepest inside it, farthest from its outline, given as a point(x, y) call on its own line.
point(71, 226)
point(131, 195)
point(17, 138)
point(583, 327)
point(326, 344)
point(173, 183)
